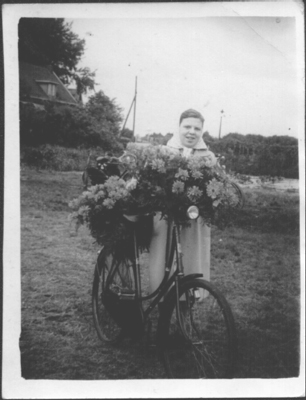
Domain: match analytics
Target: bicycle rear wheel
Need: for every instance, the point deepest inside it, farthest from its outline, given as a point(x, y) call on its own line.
point(238, 198)
point(115, 273)
point(207, 347)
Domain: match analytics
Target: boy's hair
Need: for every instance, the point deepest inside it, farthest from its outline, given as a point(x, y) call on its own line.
point(191, 114)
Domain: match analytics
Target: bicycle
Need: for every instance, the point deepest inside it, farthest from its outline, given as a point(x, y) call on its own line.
point(196, 330)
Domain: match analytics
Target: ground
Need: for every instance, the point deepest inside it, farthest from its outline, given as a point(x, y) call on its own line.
point(255, 262)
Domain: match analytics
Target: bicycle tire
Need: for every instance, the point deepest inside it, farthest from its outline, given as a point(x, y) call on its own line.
point(209, 348)
point(239, 202)
point(107, 327)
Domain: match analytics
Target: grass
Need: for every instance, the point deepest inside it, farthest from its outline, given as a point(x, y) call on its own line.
point(255, 262)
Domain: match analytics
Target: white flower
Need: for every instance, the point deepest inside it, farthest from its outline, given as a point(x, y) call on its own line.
point(210, 159)
point(131, 184)
point(194, 193)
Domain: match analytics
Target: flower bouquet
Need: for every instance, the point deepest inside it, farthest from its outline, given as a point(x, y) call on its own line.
point(159, 180)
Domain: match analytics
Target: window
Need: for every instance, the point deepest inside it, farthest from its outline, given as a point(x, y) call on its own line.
point(49, 88)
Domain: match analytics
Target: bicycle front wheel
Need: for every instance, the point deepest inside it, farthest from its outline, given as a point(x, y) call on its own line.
point(204, 344)
point(110, 272)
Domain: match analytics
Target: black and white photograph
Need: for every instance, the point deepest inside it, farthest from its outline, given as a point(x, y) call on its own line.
point(154, 200)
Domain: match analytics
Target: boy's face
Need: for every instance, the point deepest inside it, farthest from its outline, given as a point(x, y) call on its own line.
point(190, 131)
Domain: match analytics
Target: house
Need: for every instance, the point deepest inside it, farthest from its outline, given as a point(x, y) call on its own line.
point(39, 84)
point(76, 96)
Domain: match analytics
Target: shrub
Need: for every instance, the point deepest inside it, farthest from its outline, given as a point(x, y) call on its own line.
point(32, 123)
point(59, 158)
point(42, 157)
point(65, 126)
point(269, 211)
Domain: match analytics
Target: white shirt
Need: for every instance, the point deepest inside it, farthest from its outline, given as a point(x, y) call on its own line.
point(175, 142)
point(187, 151)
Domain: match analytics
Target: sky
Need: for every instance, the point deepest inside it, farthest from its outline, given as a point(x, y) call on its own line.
point(243, 66)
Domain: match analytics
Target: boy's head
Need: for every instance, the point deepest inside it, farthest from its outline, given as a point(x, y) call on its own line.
point(191, 128)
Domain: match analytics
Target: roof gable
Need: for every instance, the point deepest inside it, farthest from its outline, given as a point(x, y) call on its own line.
point(31, 76)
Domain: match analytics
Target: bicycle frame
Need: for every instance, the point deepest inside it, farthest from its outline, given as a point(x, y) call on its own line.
point(191, 307)
point(173, 249)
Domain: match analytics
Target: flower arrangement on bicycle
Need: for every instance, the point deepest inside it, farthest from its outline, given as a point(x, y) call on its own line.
point(158, 180)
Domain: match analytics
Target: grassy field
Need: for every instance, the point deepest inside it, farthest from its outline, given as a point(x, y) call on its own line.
point(255, 262)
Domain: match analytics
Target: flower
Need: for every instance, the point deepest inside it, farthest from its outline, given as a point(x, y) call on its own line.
point(158, 189)
point(109, 203)
point(210, 159)
point(159, 180)
point(74, 204)
point(196, 174)
point(90, 195)
point(194, 193)
point(182, 174)
point(196, 163)
point(94, 190)
point(73, 216)
point(216, 202)
point(83, 211)
point(100, 195)
point(150, 152)
point(178, 187)
point(116, 188)
point(158, 165)
point(131, 184)
point(214, 188)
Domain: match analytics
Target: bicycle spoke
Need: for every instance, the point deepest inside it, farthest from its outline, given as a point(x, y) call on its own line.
point(201, 345)
point(111, 274)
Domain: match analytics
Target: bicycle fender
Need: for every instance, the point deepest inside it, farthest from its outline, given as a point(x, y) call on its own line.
point(183, 280)
point(191, 276)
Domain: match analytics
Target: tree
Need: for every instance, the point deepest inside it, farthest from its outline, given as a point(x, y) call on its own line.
point(127, 136)
point(105, 111)
point(107, 117)
point(50, 41)
point(60, 125)
point(84, 80)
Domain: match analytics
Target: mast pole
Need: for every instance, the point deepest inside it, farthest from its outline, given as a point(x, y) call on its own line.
point(220, 124)
point(220, 127)
point(134, 119)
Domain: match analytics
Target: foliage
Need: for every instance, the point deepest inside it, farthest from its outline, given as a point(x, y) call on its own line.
point(105, 112)
point(32, 122)
point(63, 125)
point(128, 133)
point(106, 117)
point(58, 158)
point(39, 157)
point(270, 179)
point(242, 179)
point(127, 136)
point(258, 155)
point(252, 154)
point(157, 138)
point(84, 79)
point(269, 211)
point(50, 41)
point(161, 181)
point(278, 160)
point(66, 126)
